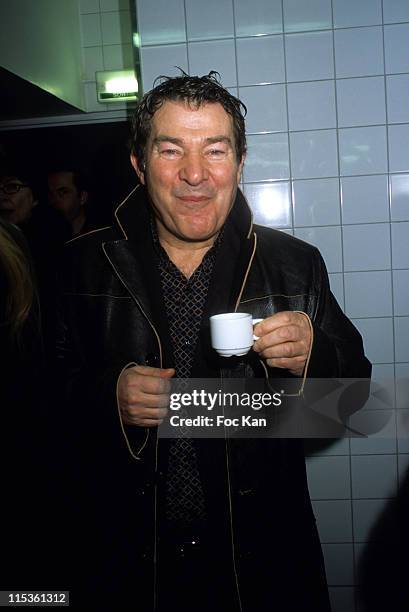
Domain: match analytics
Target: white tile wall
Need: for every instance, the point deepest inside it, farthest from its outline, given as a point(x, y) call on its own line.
point(368, 294)
point(258, 17)
point(253, 72)
point(361, 101)
point(326, 83)
point(309, 56)
point(88, 6)
point(316, 202)
point(363, 150)
point(328, 240)
point(210, 19)
point(395, 10)
point(267, 158)
point(349, 13)
point(203, 56)
point(314, 154)
point(107, 44)
point(311, 105)
point(267, 108)
point(312, 15)
point(365, 199)
point(358, 52)
point(116, 28)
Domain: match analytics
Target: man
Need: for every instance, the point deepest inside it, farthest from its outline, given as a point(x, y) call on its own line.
point(193, 524)
point(17, 199)
point(68, 194)
point(45, 231)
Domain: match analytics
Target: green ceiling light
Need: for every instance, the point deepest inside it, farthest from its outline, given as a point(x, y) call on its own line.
point(116, 86)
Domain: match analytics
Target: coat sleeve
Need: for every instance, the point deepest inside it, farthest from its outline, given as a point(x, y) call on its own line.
point(337, 348)
point(90, 395)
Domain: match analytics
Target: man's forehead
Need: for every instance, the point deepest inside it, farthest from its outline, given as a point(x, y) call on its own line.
point(174, 116)
point(9, 179)
point(61, 176)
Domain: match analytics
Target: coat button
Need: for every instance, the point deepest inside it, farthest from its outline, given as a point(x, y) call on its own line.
point(152, 360)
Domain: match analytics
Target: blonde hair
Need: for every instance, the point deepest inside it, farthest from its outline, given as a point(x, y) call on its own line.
point(20, 291)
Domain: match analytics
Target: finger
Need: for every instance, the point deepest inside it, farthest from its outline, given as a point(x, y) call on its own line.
point(281, 319)
point(286, 350)
point(147, 384)
point(149, 371)
point(274, 321)
point(295, 365)
point(135, 398)
point(289, 333)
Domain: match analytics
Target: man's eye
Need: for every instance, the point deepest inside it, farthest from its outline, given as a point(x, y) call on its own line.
point(216, 152)
point(170, 152)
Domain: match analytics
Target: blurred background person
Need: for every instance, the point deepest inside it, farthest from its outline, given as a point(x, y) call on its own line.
point(22, 358)
point(30, 473)
point(20, 327)
point(68, 193)
point(45, 231)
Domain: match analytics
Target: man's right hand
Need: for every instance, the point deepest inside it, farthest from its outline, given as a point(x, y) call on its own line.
point(143, 395)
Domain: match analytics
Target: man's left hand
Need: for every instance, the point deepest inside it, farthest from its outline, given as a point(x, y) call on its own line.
point(284, 340)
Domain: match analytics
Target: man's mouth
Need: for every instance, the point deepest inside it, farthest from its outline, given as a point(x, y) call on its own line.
point(193, 198)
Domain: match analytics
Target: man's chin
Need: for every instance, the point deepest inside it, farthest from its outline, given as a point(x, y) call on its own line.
point(197, 236)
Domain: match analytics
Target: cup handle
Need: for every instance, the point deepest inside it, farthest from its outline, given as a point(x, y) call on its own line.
point(255, 321)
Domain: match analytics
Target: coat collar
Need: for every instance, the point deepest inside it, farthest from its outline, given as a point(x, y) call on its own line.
point(133, 260)
point(132, 214)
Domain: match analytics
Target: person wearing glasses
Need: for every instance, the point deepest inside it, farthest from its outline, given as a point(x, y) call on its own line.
point(17, 200)
point(45, 232)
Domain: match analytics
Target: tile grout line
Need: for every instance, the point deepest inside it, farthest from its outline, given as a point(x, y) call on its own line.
point(290, 169)
point(186, 37)
point(340, 200)
point(390, 242)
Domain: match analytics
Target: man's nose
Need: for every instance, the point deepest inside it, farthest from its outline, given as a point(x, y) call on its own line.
point(193, 170)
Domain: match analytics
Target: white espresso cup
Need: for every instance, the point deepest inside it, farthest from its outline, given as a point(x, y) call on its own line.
point(232, 333)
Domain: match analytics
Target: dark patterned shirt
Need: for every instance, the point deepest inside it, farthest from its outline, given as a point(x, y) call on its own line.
point(184, 302)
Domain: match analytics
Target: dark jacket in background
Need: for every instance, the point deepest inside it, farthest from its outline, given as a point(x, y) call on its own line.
point(26, 506)
point(46, 233)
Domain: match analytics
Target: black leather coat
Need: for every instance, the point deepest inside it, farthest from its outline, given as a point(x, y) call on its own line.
point(114, 317)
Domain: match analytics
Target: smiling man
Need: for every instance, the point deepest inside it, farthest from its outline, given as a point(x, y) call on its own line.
point(188, 524)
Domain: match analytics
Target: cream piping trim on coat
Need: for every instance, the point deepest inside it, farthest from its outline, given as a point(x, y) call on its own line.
point(307, 362)
point(247, 273)
point(131, 363)
point(94, 231)
point(154, 331)
point(120, 205)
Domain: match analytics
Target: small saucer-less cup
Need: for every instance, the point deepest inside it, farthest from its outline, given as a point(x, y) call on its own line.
point(232, 333)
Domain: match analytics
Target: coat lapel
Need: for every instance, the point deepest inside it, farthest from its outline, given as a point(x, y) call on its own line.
point(126, 264)
point(133, 260)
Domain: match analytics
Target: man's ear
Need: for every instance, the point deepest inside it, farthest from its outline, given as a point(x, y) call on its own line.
point(240, 168)
point(139, 171)
point(83, 197)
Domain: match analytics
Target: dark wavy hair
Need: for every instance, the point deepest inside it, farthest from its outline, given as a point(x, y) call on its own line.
point(195, 91)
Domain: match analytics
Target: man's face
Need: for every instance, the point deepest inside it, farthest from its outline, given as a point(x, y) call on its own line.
point(64, 196)
point(16, 207)
point(191, 170)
